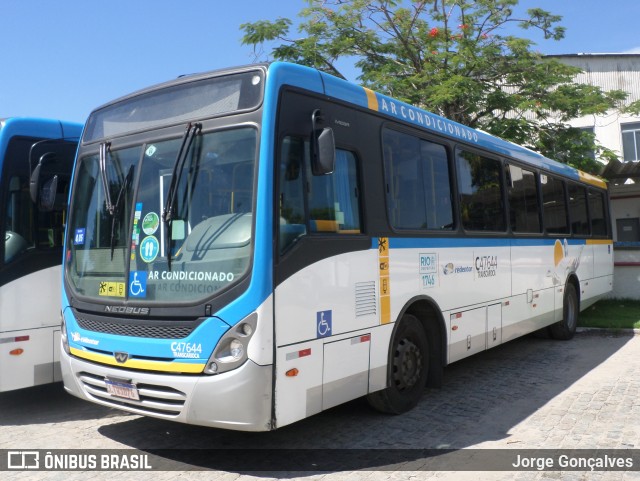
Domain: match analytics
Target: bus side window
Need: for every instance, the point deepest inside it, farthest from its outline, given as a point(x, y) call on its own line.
point(17, 234)
point(418, 184)
point(555, 206)
point(479, 185)
point(292, 218)
point(405, 195)
point(318, 204)
point(578, 210)
point(333, 200)
point(598, 213)
point(524, 207)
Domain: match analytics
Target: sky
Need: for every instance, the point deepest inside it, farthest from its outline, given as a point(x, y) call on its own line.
point(63, 58)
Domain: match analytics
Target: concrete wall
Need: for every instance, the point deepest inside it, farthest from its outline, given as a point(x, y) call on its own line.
point(625, 204)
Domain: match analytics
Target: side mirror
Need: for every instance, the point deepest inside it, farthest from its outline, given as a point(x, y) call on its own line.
point(323, 147)
point(39, 191)
point(48, 194)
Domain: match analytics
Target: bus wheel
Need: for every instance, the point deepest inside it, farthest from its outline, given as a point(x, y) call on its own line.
point(407, 371)
point(566, 328)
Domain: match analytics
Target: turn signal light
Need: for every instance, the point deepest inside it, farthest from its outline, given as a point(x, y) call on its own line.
point(16, 352)
point(292, 372)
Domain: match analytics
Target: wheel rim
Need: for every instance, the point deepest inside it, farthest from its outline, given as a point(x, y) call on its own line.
point(407, 364)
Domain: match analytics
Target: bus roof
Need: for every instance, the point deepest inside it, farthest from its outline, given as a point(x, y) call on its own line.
point(32, 126)
point(291, 74)
point(283, 73)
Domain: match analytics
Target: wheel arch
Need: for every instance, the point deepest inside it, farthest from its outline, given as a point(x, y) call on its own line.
point(428, 312)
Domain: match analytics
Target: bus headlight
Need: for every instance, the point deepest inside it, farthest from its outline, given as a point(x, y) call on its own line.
point(231, 351)
point(63, 334)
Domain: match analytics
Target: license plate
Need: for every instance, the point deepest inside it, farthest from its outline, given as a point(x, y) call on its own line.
point(122, 389)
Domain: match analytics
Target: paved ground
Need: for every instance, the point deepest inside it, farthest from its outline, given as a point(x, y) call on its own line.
point(528, 394)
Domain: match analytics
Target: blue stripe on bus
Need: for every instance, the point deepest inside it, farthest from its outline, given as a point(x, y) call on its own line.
point(339, 89)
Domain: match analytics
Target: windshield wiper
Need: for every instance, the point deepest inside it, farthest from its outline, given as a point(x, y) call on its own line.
point(169, 212)
point(115, 215)
point(104, 148)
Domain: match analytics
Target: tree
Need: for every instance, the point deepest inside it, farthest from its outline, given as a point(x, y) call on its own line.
point(452, 57)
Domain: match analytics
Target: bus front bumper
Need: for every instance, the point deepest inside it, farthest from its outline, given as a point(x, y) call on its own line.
point(238, 399)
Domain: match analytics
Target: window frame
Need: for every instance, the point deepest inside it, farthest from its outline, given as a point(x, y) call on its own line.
point(306, 178)
point(419, 137)
point(506, 231)
point(634, 129)
point(567, 223)
point(508, 163)
point(583, 188)
point(608, 231)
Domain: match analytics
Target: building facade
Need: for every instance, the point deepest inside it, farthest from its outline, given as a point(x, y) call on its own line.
point(620, 133)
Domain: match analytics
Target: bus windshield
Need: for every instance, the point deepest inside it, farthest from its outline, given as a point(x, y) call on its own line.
point(125, 250)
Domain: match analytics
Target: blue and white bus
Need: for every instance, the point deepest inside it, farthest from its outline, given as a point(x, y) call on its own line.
point(36, 158)
point(249, 247)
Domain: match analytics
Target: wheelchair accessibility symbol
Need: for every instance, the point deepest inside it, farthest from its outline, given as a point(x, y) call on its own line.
point(138, 284)
point(323, 323)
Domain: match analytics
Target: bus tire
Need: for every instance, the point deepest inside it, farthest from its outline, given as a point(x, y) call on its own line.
point(566, 328)
point(407, 371)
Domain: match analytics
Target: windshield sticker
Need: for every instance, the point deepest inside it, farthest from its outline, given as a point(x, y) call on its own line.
point(138, 284)
point(111, 289)
point(149, 248)
point(138, 212)
point(78, 238)
point(151, 150)
point(150, 223)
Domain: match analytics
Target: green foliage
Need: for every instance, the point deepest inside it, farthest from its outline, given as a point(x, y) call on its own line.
point(612, 313)
point(452, 57)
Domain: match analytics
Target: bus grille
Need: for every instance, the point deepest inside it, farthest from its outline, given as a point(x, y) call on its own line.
point(154, 400)
point(135, 330)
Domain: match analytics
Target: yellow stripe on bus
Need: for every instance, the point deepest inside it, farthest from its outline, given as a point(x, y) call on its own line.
point(137, 364)
point(372, 100)
point(599, 241)
point(592, 179)
point(385, 287)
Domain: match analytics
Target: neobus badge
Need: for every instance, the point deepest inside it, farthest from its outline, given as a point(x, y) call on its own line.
point(141, 311)
point(121, 357)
